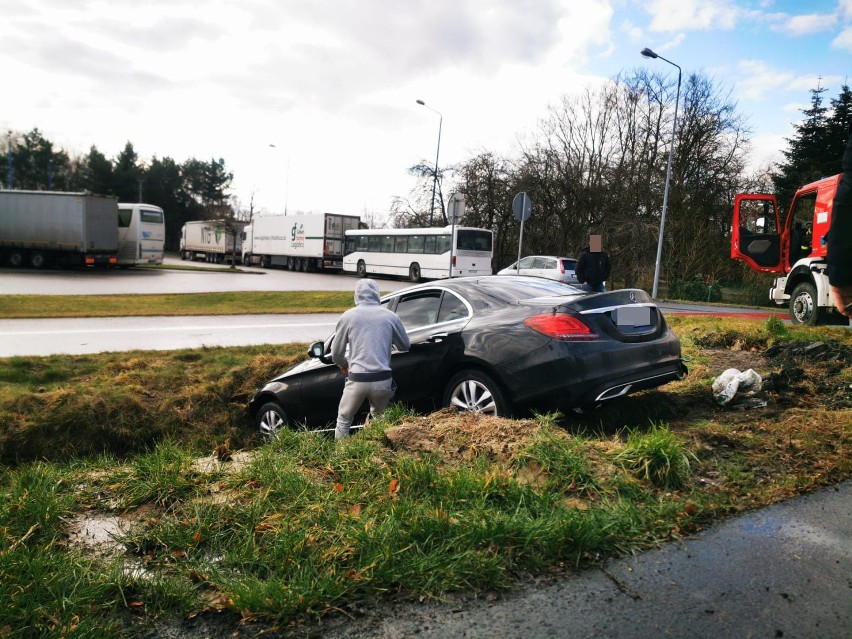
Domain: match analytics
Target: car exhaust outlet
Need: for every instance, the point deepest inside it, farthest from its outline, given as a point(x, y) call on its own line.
point(612, 393)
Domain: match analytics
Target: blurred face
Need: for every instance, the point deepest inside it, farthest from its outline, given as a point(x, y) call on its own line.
point(595, 243)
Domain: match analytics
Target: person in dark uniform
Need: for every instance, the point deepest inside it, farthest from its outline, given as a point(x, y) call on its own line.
point(839, 239)
point(593, 267)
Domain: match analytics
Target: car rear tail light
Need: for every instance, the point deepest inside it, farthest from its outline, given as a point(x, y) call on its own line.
point(562, 267)
point(560, 326)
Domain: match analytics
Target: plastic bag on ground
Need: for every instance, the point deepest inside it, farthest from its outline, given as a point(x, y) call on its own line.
point(732, 381)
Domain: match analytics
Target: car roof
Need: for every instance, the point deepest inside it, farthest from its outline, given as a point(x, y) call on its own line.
point(505, 287)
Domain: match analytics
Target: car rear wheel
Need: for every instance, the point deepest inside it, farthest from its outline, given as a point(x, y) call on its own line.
point(474, 391)
point(270, 420)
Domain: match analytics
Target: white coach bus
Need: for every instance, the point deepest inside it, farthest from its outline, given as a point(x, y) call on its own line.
point(433, 253)
point(141, 234)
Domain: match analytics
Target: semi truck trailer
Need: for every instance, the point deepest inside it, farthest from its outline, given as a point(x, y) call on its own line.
point(50, 228)
point(298, 242)
point(210, 241)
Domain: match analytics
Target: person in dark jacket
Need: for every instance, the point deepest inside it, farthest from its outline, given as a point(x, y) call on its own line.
point(593, 267)
point(361, 348)
point(839, 239)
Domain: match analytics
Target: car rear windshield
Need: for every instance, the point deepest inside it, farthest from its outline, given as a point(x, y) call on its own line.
point(526, 289)
point(569, 265)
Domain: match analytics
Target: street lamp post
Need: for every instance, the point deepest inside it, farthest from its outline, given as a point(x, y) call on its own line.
point(287, 183)
point(650, 54)
point(437, 153)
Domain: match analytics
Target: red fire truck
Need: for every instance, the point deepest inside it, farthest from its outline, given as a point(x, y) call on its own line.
point(795, 252)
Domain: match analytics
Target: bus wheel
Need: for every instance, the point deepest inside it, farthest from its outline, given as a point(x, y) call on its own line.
point(362, 269)
point(414, 272)
point(16, 258)
point(803, 305)
point(37, 259)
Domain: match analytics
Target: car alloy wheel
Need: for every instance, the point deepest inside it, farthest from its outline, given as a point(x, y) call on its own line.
point(270, 420)
point(475, 392)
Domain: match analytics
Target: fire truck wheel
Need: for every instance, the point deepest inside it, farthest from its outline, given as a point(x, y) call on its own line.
point(803, 305)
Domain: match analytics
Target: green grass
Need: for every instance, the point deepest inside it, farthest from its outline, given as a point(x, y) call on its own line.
point(308, 525)
point(231, 303)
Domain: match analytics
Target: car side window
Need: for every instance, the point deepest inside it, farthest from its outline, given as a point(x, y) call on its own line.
point(527, 262)
point(549, 263)
point(452, 308)
point(419, 309)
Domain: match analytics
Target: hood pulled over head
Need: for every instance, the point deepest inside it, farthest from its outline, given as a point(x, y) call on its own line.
point(367, 292)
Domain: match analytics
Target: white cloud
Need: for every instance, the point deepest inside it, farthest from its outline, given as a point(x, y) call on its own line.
point(758, 80)
point(805, 24)
point(692, 15)
point(844, 40)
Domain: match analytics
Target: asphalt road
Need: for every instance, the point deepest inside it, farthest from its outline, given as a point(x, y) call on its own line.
point(783, 571)
point(206, 279)
point(38, 337)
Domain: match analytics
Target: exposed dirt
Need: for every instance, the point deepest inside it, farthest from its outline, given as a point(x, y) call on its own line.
point(798, 377)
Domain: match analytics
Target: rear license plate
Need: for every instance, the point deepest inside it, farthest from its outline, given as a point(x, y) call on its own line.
point(633, 316)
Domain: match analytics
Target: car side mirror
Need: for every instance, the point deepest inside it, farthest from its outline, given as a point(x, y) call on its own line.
point(317, 351)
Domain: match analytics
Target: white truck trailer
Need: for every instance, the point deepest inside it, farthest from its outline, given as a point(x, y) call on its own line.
point(298, 242)
point(51, 228)
point(210, 241)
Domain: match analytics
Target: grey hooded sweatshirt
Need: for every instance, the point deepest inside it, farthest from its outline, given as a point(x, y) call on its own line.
point(369, 330)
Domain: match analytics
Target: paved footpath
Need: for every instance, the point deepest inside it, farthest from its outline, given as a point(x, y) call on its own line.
point(782, 571)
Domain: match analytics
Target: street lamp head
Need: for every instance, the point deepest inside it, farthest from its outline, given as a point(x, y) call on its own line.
point(648, 53)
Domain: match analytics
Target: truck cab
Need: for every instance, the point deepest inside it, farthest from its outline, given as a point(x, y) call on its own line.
point(795, 251)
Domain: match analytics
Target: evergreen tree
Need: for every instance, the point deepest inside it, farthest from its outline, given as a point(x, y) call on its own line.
point(127, 175)
point(815, 150)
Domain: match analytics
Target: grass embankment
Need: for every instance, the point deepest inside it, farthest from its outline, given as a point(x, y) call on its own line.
point(414, 505)
point(235, 303)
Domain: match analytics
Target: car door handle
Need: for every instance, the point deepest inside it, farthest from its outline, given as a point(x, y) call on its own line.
point(437, 338)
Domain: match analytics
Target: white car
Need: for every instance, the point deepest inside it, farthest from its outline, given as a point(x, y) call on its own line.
point(560, 269)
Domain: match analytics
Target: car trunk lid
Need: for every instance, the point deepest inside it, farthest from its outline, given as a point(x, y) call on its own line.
point(628, 315)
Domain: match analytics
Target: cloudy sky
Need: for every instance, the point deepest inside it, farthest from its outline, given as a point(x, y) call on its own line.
point(333, 84)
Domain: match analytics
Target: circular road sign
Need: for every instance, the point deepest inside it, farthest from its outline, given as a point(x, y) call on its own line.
point(522, 207)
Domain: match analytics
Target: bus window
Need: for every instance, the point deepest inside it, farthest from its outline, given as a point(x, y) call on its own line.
point(362, 243)
point(470, 240)
point(151, 217)
point(351, 243)
point(415, 244)
point(374, 243)
point(429, 246)
point(124, 218)
point(401, 244)
point(443, 244)
point(387, 244)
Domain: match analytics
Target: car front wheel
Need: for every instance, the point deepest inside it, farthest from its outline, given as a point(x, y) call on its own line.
point(270, 420)
point(803, 305)
point(474, 391)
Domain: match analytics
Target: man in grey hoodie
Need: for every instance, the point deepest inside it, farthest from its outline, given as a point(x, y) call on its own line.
point(370, 331)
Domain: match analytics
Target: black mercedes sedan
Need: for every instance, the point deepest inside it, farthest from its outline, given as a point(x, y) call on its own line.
point(497, 345)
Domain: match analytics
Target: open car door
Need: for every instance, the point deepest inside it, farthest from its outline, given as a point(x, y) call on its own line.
point(755, 236)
